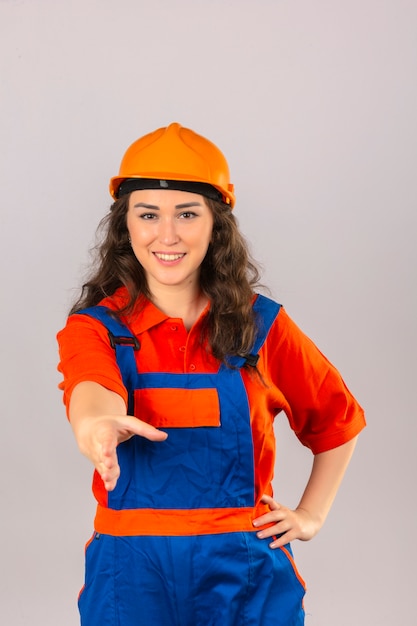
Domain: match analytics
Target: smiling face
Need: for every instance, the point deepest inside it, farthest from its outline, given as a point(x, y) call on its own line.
point(170, 232)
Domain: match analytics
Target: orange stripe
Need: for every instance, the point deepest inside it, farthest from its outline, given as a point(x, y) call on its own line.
point(291, 560)
point(178, 522)
point(85, 550)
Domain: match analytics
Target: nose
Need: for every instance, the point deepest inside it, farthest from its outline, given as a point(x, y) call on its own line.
point(168, 234)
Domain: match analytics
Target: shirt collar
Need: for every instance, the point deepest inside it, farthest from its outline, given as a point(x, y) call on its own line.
point(145, 315)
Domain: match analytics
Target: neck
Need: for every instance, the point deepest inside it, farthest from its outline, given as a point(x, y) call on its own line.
point(186, 304)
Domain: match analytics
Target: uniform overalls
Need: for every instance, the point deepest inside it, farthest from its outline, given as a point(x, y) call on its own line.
point(176, 546)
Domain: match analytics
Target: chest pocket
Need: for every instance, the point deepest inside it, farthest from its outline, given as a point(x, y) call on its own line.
point(177, 408)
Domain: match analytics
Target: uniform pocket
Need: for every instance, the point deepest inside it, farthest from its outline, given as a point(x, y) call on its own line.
point(178, 408)
point(96, 601)
point(287, 552)
point(87, 545)
point(279, 597)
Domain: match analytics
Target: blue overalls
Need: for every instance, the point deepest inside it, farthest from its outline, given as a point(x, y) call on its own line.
point(223, 576)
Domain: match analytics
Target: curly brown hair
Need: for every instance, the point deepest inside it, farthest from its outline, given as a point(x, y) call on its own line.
point(228, 277)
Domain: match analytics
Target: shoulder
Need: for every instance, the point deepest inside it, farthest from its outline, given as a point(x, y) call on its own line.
point(117, 300)
point(81, 333)
point(274, 314)
point(85, 354)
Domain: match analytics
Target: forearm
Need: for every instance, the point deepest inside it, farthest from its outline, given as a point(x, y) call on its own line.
point(306, 520)
point(90, 400)
point(92, 411)
point(325, 478)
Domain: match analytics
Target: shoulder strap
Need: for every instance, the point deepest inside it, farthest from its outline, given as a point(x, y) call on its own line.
point(266, 311)
point(124, 343)
point(118, 332)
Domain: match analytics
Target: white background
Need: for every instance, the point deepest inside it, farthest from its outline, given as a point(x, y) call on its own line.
point(314, 104)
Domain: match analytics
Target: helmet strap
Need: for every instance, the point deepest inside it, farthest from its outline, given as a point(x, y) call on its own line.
point(135, 184)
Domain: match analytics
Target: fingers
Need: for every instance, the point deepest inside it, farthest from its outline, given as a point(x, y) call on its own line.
point(276, 512)
point(115, 431)
point(275, 523)
point(270, 502)
point(143, 429)
point(109, 475)
point(283, 524)
point(281, 533)
point(107, 463)
point(99, 436)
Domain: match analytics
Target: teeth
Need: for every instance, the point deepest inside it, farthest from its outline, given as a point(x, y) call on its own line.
point(169, 257)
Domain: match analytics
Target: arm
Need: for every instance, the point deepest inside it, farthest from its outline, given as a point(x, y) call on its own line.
point(305, 521)
point(99, 421)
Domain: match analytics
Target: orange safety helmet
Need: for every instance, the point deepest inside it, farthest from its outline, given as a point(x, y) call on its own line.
point(174, 154)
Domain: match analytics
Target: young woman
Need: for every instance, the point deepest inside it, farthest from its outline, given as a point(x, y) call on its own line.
point(174, 370)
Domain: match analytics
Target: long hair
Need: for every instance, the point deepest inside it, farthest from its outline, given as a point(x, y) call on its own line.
point(228, 277)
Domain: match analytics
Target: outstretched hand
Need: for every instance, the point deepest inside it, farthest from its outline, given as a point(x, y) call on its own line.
point(99, 437)
point(285, 524)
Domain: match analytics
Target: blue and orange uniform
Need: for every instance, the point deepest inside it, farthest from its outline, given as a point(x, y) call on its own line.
point(174, 543)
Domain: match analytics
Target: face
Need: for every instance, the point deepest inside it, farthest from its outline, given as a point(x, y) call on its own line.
point(170, 232)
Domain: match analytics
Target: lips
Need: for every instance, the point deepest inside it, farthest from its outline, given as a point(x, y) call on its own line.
point(163, 256)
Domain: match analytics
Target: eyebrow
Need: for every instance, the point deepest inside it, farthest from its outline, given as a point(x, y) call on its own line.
point(184, 205)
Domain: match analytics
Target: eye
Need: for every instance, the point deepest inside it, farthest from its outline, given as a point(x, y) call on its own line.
point(187, 215)
point(148, 216)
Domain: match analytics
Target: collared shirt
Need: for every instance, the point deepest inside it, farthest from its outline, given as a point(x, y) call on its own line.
point(295, 376)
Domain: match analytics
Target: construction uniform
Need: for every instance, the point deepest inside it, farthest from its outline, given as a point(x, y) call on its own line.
point(174, 543)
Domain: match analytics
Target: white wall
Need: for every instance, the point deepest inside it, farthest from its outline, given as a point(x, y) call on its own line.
point(314, 104)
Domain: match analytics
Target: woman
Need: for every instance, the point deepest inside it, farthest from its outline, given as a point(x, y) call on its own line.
point(174, 369)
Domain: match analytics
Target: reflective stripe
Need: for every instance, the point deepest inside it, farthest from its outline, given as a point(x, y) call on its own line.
point(178, 522)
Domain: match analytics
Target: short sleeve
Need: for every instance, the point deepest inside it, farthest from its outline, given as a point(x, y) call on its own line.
point(320, 408)
point(86, 355)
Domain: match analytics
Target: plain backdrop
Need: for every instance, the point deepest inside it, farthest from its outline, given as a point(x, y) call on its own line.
point(314, 104)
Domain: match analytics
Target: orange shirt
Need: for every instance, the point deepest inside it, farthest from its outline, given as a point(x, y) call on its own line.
point(298, 379)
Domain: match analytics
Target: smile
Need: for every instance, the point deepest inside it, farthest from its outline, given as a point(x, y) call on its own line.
point(168, 257)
